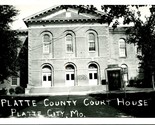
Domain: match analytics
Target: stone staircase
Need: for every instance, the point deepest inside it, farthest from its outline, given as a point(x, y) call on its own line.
point(67, 90)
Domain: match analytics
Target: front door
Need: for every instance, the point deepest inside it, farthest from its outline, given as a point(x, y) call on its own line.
point(93, 77)
point(46, 79)
point(70, 78)
point(114, 79)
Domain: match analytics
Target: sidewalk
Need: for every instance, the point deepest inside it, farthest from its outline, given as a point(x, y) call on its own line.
point(86, 91)
point(132, 89)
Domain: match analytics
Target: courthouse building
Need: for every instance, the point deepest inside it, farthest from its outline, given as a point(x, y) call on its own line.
point(71, 51)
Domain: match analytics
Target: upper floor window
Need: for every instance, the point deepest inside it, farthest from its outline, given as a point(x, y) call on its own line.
point(46, 43)
point(122, 48)
point(91, 41)
point(69, 43)
point(14, 81)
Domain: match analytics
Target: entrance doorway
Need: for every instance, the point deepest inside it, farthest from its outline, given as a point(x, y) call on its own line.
point(114, 79)
point(93, 74)
point(70, 75)
point(46, 76)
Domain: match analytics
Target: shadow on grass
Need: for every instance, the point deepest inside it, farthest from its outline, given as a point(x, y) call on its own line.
point(12, 102)
point(140, 104)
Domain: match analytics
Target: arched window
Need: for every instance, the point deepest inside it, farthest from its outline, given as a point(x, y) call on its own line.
point(70, 75)
point(69, 43)
point(46, 43)
point(91, 41)
point(93, 74)
point(46, 76)
point(122, 48)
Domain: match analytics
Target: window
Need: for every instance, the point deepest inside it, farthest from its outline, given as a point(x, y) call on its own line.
point(72, 76)
point(14, 81)
point(90, 76)
point(67, 77)
point(91, 40)
point(69, 43)
point(95, 75)
point(44, 78)
point(122, 48)
point(46, 43)
point(49, 77)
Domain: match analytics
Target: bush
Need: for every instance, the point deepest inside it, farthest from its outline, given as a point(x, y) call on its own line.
point(3, 91)
point(135, 83)
point(11, 91)
point(19, 90)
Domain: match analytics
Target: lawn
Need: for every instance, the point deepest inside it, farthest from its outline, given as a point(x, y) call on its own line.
point(67, 106)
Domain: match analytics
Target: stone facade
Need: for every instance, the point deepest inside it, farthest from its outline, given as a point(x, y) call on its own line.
point(79, 60)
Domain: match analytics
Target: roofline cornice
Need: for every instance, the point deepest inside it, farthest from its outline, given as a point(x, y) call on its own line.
point(58, 7)
point(63, 21)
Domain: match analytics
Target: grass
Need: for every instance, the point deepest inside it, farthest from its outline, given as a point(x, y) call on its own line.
point(92, 105)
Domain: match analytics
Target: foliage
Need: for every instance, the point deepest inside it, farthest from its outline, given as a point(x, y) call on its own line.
point(11, 91)
point(19, 90)
point(23, 63)
point(3, 91)
point(142, 33)
point(9, 43)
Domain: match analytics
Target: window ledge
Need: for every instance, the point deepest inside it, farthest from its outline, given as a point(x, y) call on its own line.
point(46, 53)
point(14, 85)
point(92, 51)
point(123, 57)
point(69, 53)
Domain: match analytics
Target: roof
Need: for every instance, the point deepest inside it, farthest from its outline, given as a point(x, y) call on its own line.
point(53, 15)
point(22, 31)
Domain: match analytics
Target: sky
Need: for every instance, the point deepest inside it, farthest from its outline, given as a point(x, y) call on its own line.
point(29, 7)
point(25, 11)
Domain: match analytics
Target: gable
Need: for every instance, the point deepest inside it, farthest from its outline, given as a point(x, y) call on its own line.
point(67, 14)
point(59, 13)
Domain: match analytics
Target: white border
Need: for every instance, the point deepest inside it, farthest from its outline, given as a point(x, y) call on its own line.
point(76, 120)
point(83, 2)
point(73, 121)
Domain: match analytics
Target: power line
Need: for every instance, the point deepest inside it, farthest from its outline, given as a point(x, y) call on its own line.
point(58, 38)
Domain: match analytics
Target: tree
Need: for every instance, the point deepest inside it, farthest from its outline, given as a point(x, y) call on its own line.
point(9, 43)
point(142, 33)
point(23, 64)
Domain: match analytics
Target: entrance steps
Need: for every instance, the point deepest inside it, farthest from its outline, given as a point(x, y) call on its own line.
point(67, 90)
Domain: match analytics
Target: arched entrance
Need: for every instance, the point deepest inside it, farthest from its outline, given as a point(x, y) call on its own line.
point(46, 76)
point(70, 75)
point(93, 74)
